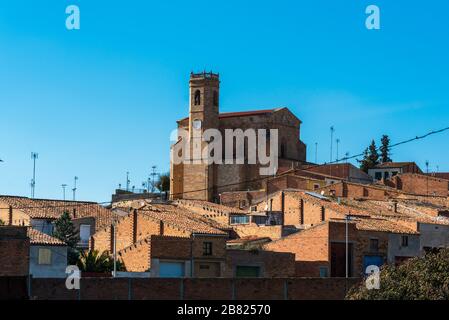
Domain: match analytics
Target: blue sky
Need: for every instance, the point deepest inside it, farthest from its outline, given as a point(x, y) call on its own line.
point(102, 100)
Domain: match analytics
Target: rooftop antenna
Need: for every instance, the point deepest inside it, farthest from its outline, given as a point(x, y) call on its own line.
point(34, 156)
point(153, 174)
point(63, 191)
point(127, 181)
point(332, 140)
point(338, 142)
point(74, 187)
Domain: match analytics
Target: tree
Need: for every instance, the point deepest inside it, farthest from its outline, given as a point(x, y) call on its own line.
point(66, 232)
point(1, 222)
point(163, 184)
point(385, 149)
point(370, 157)
point(93, 261)
point(425, 278)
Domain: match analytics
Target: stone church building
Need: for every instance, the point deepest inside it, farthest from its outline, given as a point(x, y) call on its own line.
point(206, 181)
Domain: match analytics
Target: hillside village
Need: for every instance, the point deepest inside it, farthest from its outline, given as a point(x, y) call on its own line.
point(307, 220)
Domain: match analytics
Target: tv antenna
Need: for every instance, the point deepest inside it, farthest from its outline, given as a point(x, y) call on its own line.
point(75, 179)
point(153, 174)
point(34, 156)
point(63, 191)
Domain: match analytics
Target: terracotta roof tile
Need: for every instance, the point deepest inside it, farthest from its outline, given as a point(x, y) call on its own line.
point(40, 238)
point(53, 209)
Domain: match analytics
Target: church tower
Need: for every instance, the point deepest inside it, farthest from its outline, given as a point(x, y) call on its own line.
point(203, 114)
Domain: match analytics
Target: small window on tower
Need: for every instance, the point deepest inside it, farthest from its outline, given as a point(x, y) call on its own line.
point(216, 98)
point(197, 98)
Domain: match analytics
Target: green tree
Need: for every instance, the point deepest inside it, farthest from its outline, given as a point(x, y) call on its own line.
point(385, 149)
point(1, 222)
point(93, 261)
point(163, 184)
point(425, 278)
point(66, 232)
point(370, 157)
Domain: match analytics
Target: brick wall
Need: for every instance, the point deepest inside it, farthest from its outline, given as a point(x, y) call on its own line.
point(272, 264)
point(421, 184)
point(192, 289)
point(136, 257)
point(272, 232)
point(14, 251)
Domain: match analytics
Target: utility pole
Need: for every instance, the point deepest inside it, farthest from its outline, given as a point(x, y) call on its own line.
point(427, 179)
point(74, 187)
point(63, 191)
point(316, 152)
point(338, 142)
point(114, 226)
point(153, 174)
point(332, 140)
point(34, 156)
point(347, 218)
point(127, 181)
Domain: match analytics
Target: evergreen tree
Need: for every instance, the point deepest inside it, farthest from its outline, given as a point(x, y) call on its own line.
point(66, 232)
point(385, 149)
point(370, 158)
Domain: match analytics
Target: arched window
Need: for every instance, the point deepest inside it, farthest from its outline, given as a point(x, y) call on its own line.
point(216, 98)
point(197, 98)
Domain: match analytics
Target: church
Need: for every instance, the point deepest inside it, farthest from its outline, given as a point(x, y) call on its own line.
point(205, 181)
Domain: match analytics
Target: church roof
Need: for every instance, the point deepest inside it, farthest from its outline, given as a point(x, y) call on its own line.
point(224, 115)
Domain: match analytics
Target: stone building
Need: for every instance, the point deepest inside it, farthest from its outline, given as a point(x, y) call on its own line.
point(205, 181)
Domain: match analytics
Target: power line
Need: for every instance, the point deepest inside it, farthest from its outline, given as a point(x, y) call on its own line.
point(317, 165)
point(68, 204)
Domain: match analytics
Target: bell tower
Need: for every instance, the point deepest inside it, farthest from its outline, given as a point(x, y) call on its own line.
point(203, 114)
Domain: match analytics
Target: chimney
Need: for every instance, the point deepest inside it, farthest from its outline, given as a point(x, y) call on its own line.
point(10, 216)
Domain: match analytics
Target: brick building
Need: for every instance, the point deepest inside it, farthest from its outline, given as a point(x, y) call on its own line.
point(320, 251)
point(14, 251)
point(203, 181)
point(346, 171)
point(413, 183)
point(198, 256)
point(41, 214)
point(387, 170)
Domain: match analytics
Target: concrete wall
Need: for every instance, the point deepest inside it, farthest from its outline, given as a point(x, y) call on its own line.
point(58, 262)
point(433, 235)
point(395, 248)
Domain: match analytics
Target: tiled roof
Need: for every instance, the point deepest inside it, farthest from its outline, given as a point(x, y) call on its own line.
point(209, 206)
point(383, 225)
point(53, 209)
point(394, 164)
point(178, 216)
point(243, 113)
point(40, 238)
point(247, 239)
